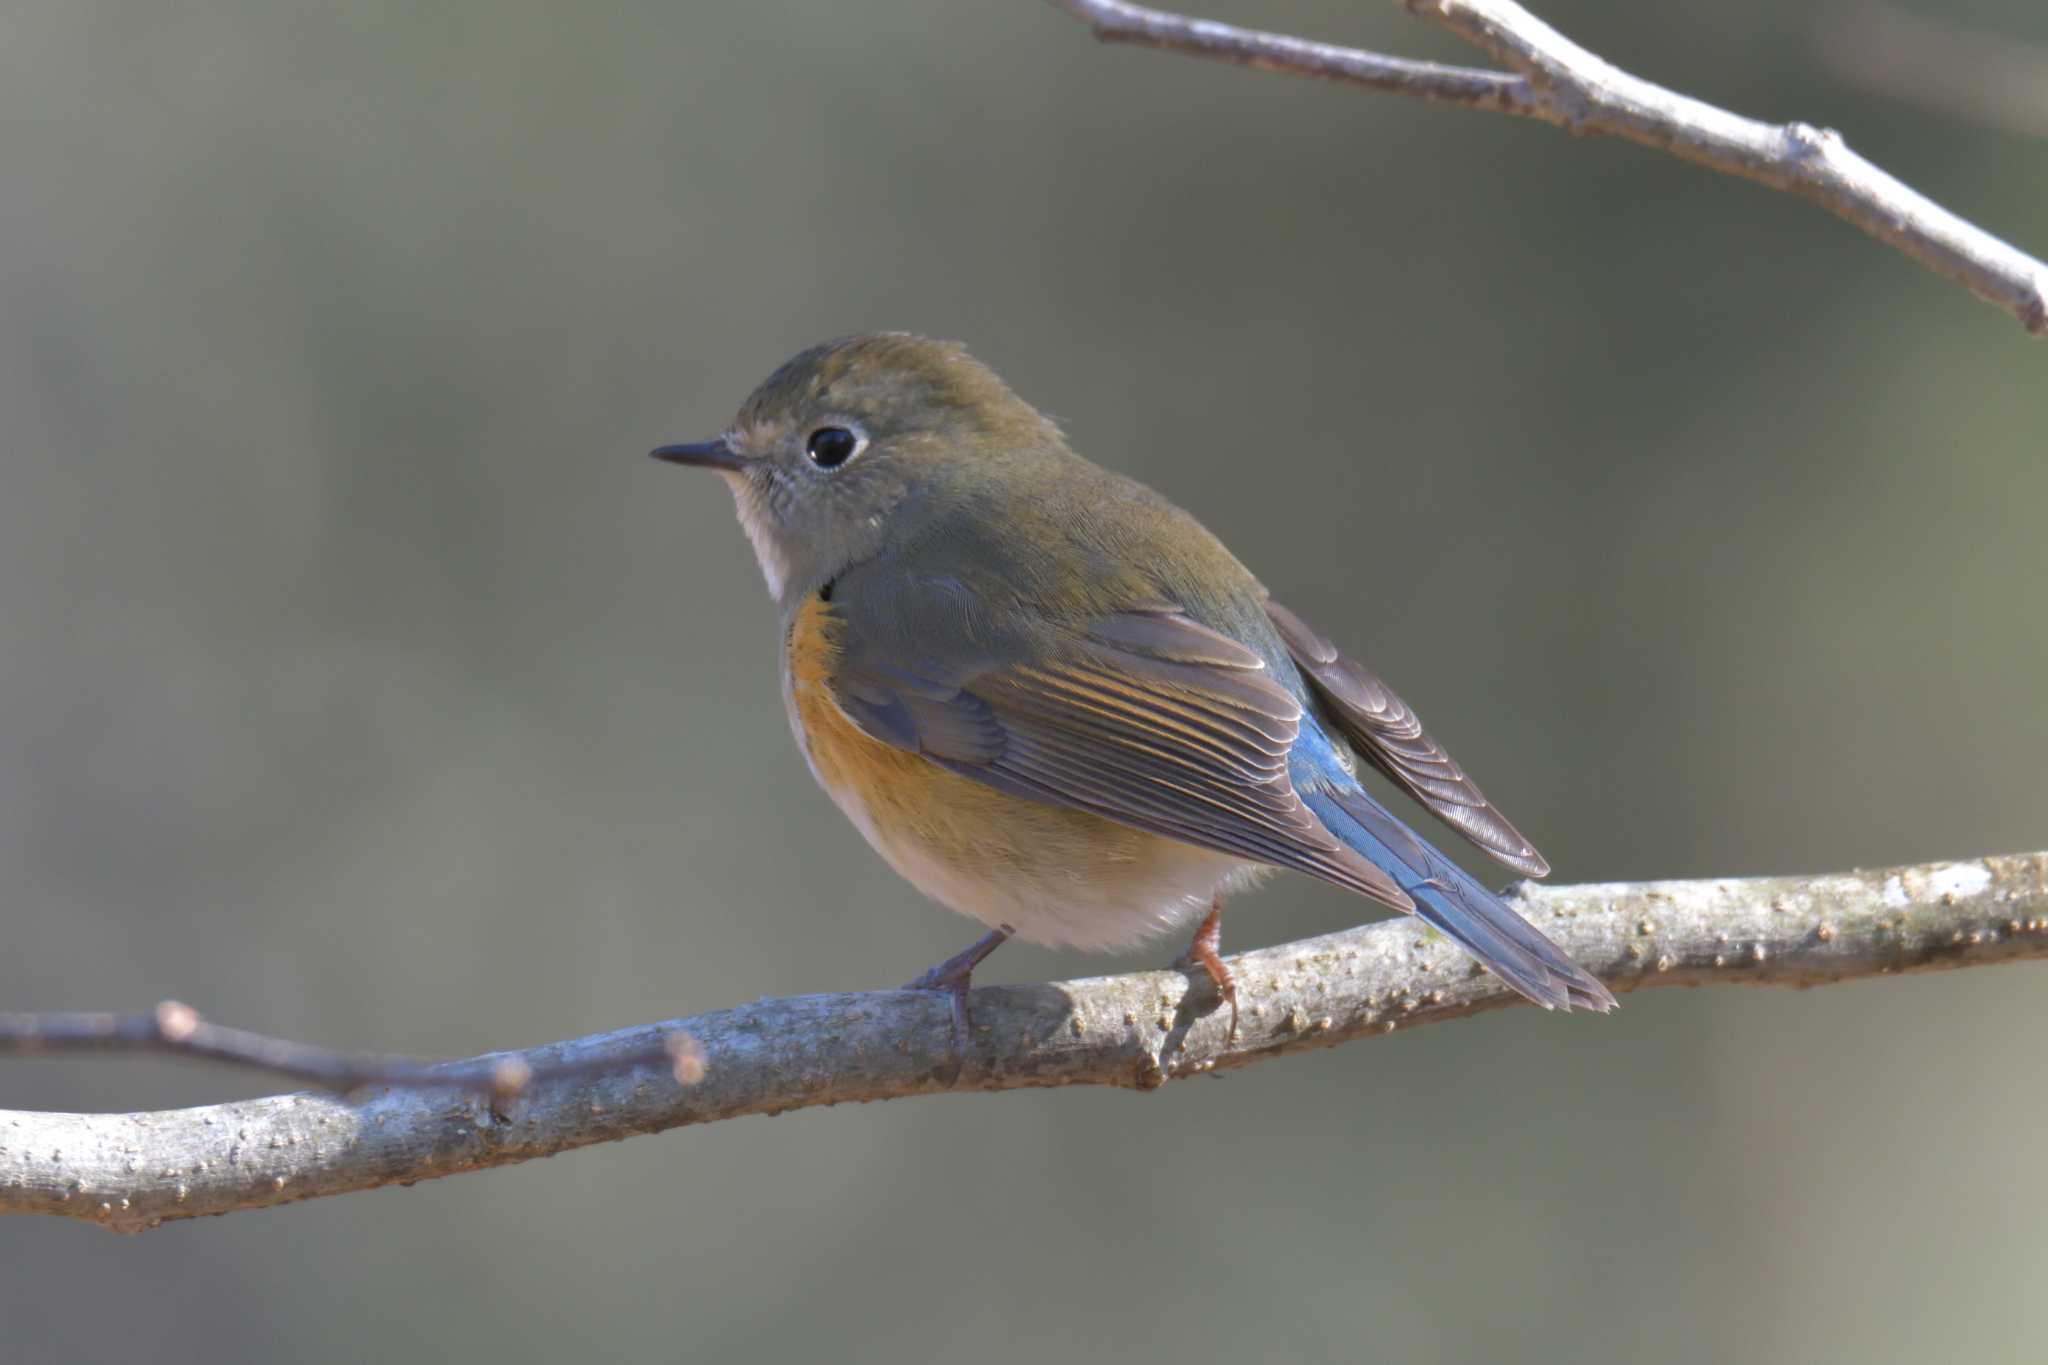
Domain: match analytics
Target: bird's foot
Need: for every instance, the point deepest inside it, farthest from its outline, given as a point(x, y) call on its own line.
point(1204, 952)
point(954, 977)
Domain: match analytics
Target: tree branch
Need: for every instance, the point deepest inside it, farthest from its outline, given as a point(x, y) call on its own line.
point(130, 1172)
point(1558, 82)
point(176, 1029)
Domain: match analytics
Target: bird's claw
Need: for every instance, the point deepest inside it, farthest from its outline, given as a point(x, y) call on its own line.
point(1204, 952)
point(955, 977)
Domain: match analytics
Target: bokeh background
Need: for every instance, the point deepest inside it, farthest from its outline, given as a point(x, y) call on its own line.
point(361, 680)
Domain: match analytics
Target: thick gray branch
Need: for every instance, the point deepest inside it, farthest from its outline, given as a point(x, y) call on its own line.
point(130, 1172)
point(1558, 82)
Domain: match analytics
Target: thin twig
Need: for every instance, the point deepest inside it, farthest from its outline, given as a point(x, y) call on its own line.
point(176, 1028)
point(1558, 82)
point(130, 1172)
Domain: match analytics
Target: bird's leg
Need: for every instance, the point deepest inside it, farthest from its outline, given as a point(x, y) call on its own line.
point(953, 977)
point(1203, 952)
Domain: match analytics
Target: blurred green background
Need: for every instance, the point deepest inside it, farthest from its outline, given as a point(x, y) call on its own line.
point(362, 681)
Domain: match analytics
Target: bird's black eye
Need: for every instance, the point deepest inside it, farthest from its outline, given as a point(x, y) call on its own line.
point(831, 447)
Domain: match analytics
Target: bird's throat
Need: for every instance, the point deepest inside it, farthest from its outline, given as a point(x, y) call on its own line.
point(755, 520)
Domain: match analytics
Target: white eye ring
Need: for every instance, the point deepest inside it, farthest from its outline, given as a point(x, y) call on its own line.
point(831, 446)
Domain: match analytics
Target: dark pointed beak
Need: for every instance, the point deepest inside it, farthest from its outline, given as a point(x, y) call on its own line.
point(704, 454)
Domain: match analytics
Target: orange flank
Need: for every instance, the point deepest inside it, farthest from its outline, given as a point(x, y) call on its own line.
point(961, 842)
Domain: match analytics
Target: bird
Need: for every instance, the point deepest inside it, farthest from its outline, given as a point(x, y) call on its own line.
point(1054, 702)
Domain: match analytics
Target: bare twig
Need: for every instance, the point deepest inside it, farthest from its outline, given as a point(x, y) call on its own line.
point(1558, 82)
point(1997, 80)
point(130, 1172)
point(176, 1028)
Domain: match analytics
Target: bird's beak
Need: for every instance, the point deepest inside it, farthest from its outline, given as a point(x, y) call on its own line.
point(704, 454)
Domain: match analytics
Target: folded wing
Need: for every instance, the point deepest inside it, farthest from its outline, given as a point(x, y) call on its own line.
point(1150, 719)
point(1387, 734)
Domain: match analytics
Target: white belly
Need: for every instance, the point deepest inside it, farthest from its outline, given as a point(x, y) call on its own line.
point(1099, 905)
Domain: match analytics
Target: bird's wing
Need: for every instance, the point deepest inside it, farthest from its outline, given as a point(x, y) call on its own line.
point(1146, 717)
point(1388, 735)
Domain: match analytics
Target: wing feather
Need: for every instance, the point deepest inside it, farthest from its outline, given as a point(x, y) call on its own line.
point(1150, 719)
point(1389, 735)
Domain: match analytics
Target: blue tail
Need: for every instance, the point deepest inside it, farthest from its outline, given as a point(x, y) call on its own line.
point(1446, 897)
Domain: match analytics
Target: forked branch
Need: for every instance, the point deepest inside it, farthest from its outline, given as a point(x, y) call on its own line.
point(130, 1172)
point(1553, 79)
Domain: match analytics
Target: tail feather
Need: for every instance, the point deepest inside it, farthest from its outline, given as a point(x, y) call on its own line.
point(1451, 901)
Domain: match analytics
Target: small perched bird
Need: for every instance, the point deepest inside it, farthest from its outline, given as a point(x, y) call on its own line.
point(1058, 705)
